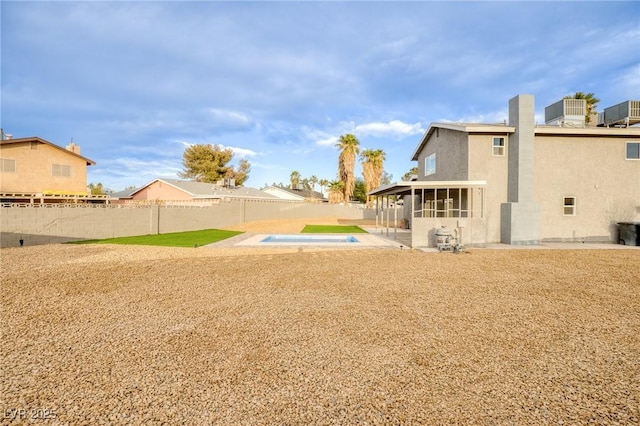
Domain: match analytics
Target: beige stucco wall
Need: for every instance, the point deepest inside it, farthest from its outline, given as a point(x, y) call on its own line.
point(451, 149)
point(423, 231)
point(483, 165)
point(161, 191)
point(595, 171)
point(34, 169)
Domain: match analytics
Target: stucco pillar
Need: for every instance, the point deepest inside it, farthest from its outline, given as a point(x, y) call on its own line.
point(520, 215)
point(154, 219)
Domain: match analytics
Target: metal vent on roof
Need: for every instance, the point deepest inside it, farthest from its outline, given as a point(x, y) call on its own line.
point(566, 113)
point(624, 114)
point(226, 183)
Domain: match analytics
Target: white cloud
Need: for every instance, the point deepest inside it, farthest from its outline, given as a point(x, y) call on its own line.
point(242, 152)
point(394, 128)
point(498, 116)
point(627, 84)
point(229, 118)
point(328, 141)
point(320, 137)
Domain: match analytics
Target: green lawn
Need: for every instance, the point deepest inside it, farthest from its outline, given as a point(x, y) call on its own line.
point(333, 229)
point(174, 239)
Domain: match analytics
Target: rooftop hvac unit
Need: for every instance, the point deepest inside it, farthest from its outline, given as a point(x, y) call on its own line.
point(626, 113)
point(566, 113)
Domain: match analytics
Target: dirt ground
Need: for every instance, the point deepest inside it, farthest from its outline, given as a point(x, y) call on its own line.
point(147, 335)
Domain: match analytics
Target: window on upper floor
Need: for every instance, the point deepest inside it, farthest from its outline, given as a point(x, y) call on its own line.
point(498, 147)
point(430, 165)
point(61, 170)
point(569, 206)
point(633, 150)
point(7, 165)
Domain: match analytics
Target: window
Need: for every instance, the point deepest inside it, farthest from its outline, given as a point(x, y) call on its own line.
point(430, 165)
point(569, 206)
point(7, 165)
point(61, 170)
point(633, 150)
point(498, 147)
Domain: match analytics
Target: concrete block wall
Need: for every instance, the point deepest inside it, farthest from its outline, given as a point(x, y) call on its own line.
point(47, 225)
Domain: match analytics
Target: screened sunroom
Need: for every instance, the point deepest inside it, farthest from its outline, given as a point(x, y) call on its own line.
point(429, 205)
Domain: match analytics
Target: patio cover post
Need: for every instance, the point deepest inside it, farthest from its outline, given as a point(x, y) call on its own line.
point(413, 204)
point(387, 215)
point(395, 219)
point(413, 212)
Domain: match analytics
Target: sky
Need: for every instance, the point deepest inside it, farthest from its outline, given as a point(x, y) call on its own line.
point(135, 83)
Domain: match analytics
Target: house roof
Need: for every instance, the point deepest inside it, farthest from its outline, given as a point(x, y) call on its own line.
point(124, 194)
point(476, 128)
point(404, 187)
point(302, 193)
point(501, 128)
point(45, 142)
point(621, 132)
point(209, 190)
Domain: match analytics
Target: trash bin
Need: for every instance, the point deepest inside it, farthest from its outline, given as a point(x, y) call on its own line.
point(629, 233)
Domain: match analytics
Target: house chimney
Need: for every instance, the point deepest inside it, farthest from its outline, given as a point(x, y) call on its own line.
point(73, 148)
point(520, 215)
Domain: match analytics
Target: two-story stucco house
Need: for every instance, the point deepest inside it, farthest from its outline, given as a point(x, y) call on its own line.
point(522, 183)
point(36, 166)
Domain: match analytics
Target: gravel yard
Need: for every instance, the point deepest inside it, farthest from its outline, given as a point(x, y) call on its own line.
point(150, 335)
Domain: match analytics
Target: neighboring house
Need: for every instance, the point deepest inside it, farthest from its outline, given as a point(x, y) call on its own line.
point(294, 194)
point(189, 192)
point(522, 183)
point(33, 167)
point(125, 194)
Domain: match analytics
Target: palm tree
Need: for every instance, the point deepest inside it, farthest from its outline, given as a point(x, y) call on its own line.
point(407, 176)
point(336, 192)
point(323, 184)
point(591, 101)
point(348, 145)
point(314, 180)
point(372, 169)
point(295, 179)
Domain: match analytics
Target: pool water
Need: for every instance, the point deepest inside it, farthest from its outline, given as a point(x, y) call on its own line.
point(310, 239)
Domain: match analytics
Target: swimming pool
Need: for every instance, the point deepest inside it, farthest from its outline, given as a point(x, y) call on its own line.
point(313, 239)
point(317, 240)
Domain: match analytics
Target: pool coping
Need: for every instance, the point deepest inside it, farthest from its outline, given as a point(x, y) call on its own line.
point(365, 240)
